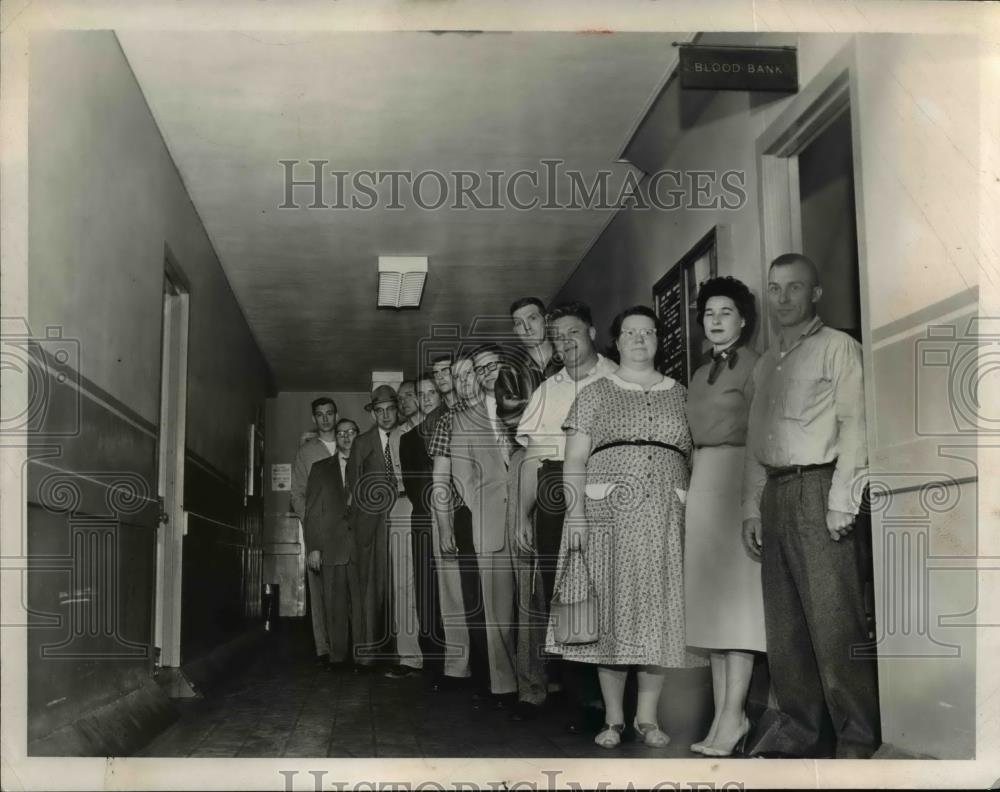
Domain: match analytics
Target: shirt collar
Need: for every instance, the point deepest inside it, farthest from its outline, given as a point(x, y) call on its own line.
point(811, 329)
point(664, 384)
point(601, 366)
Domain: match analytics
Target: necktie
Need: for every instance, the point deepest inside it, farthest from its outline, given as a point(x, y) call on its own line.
point(719, 359)
point(389, 471)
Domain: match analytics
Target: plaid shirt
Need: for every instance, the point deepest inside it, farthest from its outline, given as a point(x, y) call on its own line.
point(440, 444)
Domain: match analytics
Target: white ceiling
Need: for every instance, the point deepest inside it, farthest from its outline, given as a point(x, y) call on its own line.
point(232, 105)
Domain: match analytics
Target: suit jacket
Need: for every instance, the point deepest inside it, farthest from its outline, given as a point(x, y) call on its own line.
point(479, 471)
point(417, 465)
point(310, 452)
point(325, 526)
point(373, 496)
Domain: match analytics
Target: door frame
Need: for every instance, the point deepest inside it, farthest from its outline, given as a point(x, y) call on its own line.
point(808, 113)
point(171, 445)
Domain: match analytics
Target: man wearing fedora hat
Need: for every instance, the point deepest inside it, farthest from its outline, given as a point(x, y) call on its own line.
point(372, 482)
point(379, 502)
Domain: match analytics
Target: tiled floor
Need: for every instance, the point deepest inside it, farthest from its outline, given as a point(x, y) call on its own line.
point(284, 705)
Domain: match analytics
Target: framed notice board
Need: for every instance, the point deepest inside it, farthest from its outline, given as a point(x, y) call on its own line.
point(675, 303)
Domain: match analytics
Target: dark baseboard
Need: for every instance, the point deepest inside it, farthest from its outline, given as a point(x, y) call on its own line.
point(208, 671)
point(115, 729)
point(125, 725)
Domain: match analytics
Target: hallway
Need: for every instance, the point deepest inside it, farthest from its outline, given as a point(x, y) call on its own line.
point(285, 705)
point(227, 227)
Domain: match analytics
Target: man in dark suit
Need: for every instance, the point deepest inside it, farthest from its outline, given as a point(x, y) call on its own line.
point(329, 545)
point(372, 481)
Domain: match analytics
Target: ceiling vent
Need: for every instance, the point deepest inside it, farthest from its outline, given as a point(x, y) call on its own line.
point(401, 281)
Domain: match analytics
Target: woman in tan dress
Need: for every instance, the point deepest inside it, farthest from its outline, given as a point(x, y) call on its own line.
point(627, 447)
point(724, 606)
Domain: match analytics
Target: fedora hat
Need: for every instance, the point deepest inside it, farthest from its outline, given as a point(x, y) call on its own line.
point(381, 395)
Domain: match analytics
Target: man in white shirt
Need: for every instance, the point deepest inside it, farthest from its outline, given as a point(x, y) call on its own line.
point(312, 449)
point(541, 504)
point(408, 405)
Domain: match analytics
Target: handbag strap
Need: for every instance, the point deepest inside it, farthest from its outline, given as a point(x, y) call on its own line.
point(591, 590)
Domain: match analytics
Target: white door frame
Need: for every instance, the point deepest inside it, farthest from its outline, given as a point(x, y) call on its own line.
point(833, 90)
point(170, 468)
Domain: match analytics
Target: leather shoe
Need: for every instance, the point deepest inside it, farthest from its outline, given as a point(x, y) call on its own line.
point(322, 659)
point(401, 672)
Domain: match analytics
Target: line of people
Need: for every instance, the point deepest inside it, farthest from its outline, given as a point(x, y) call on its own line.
point(704, 524)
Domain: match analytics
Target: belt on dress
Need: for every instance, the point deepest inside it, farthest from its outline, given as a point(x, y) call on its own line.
point(797, 470)
point(616, 443)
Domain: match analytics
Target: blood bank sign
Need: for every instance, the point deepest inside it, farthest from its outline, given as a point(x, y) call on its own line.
point(739, 68)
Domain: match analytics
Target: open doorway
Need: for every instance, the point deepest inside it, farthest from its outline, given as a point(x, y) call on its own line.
point(170, 466)
point(829, 230)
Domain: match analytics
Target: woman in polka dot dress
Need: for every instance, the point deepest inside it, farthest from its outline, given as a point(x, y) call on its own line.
point(625, 473)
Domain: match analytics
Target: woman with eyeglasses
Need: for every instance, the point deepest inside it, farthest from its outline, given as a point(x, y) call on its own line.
point(626, 466)
point(725, 608)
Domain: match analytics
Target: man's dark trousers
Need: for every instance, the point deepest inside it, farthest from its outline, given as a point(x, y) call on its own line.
point(822, 666)
point(578, 679)
point(425, 583)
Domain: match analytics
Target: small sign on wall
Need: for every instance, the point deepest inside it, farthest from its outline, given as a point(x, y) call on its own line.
point(739, 68)
point(281, 477)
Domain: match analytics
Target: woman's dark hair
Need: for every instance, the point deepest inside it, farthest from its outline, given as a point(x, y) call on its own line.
point(736, 291)
point(659, 360)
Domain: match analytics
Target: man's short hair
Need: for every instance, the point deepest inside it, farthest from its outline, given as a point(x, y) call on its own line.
point(317, 403)
point(522, 302)
point(425, 375)
point(445, 357)
point(574, 308)
point(342, 421)
point(412, 382)
point(786, 259)
point(484, 349)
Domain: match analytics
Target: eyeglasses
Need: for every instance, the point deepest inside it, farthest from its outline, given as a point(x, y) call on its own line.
point(347, 433)
point(486, 368)
point(644, 333)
